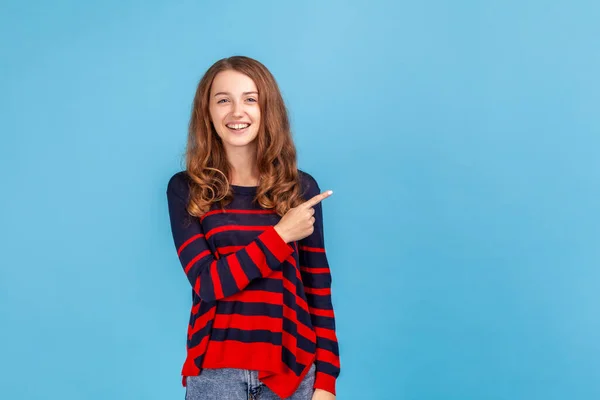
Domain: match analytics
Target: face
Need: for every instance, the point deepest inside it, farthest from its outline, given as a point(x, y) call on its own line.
point(234, 109)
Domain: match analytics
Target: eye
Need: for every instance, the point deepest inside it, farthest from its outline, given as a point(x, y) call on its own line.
point(220, 101)
point(252, 99)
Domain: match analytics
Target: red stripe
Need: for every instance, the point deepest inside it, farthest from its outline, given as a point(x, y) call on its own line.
point(313, 249)
point(275, 244)
point(325, 382)
point(193, 261)
point(241, 280)
point(292, 288)
point(315, 270)
point(190, 240)
point(326, 333)
point(201, 321)
point(256, 296)
point(216, 280)
point(197, 285)
point(289, 341)
point(189, 367)
point(234, 354)
point(328, 356)
point(291, 260)
point(320, 312)
point(225, 250)
point(302, 356)
point(258, 258)
point(214, 212)
point(300, 327)
point(298, 274)
point(253, 322)
point(226, 228)
point(196, 307)
point(197, 351)
point(319, 292)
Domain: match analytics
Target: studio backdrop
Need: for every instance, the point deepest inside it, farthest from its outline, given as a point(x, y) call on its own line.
point(461, 140)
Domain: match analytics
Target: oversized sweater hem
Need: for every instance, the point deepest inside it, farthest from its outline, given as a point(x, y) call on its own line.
point(261, 357)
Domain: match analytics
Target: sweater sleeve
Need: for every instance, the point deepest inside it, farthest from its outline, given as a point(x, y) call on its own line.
point(316, 278)
point(214, 278)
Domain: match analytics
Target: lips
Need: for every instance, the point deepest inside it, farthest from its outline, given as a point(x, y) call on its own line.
point(238, 125)
point(238, 129)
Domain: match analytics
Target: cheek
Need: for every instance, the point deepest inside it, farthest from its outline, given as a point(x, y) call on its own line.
point(256, 116)
point(216, 115)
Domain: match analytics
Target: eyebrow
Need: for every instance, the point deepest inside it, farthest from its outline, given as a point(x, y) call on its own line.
point(245, 93)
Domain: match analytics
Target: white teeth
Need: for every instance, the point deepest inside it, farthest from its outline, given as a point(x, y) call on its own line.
point(238, 126)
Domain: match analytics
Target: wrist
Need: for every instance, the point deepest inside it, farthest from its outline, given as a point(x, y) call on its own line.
point(280, 233)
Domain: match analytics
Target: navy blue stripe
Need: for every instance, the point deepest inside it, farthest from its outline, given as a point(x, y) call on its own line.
point(323, 322)
point(302, 342)
point(246, 336)
point(203, 309)
point(300, 289)
point(319, 301)
point(325, 367)
point(193, 272)
point(313, 259)
point(302, 315)
point(198, 336)
point(250, 309)
point(195, 298)
point(251, 270)
point(207, 289)
point(289, 273)
point(290, 300)
point(290, 360)
point(188, 254)
point(227, 280)
point(266, 284)
point(272, 261)
point(199, 360)
point(317, 281)
point(234, 237)
point(251, 219)
point(328, 344)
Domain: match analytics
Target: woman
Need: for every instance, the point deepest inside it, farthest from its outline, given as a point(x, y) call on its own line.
point(248, 229)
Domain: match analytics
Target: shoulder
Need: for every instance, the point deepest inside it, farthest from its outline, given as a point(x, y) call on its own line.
point(309, 185)
point(179, 185)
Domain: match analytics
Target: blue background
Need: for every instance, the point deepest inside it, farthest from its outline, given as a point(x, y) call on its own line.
point(461, 140)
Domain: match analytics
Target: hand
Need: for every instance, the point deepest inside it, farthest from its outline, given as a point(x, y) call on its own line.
point(321, 394)
point(298, 222)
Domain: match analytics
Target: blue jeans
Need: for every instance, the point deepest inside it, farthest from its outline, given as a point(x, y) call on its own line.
point(240, 384)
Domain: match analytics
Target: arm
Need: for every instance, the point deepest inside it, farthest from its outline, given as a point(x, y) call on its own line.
point(316, 278)
point(212, 278)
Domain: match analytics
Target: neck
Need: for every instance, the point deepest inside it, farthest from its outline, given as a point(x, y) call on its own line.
point(244, 171)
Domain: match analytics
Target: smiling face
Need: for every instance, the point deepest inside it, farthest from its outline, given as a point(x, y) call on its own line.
point(234, 109)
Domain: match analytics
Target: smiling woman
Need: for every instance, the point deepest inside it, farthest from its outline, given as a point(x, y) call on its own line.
point(234, 108)
point(236, 91)
point(248, 228)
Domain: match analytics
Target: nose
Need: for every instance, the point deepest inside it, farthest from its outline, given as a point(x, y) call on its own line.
point(237, 109)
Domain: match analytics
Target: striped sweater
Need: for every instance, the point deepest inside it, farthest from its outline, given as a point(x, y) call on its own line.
point(258, 303)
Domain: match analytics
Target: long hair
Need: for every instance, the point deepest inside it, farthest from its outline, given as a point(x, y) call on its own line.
point(279, 185)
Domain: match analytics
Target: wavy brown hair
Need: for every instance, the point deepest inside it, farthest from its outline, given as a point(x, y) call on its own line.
point(279, 186)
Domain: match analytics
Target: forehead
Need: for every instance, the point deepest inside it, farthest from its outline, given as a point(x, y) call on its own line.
point(233, 82)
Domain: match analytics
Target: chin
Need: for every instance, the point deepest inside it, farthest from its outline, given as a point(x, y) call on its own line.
point(239, 141)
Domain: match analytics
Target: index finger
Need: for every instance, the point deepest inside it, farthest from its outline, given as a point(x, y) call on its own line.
point(318, 198)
